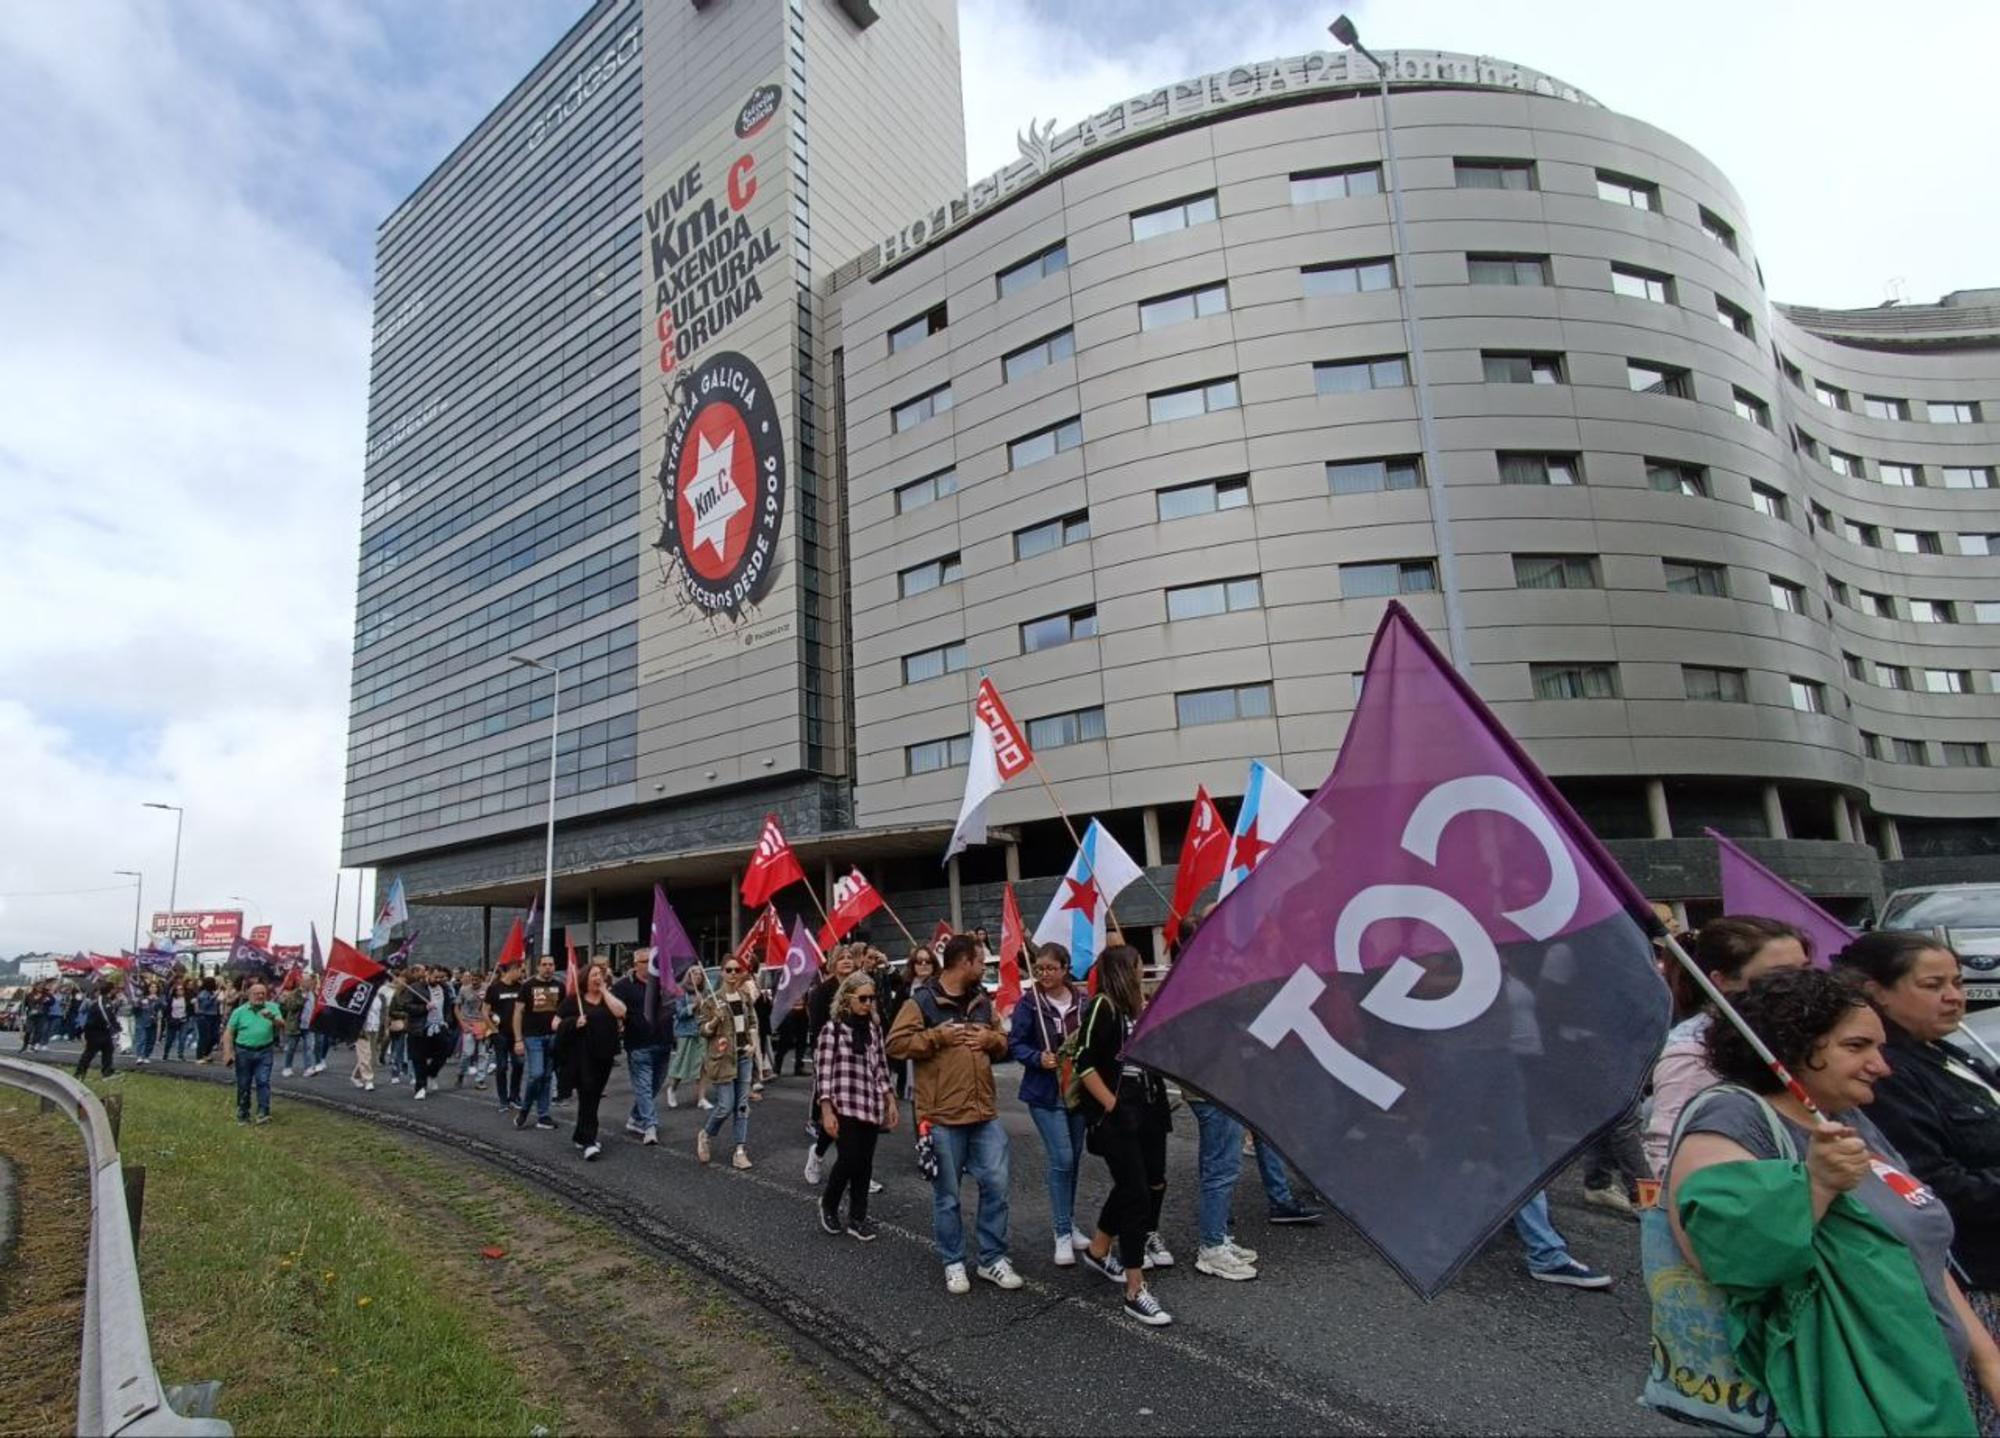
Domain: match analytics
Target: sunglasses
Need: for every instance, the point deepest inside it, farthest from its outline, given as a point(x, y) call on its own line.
point(732, 969)
point(864, 998)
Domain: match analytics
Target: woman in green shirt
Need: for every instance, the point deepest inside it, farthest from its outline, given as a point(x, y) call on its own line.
point(250, 1042)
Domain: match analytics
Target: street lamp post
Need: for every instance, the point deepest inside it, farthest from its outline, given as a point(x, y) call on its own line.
point(1435, 487)
point(138, 896)
point(549, 859)
point(173, 885)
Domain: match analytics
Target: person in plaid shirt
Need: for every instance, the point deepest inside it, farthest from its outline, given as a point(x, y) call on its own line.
point(856, 1101)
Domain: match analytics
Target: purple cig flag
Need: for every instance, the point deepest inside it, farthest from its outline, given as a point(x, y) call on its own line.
point(802, 963)
point(1750, 888)
point(673, 951)
point(1434, 989)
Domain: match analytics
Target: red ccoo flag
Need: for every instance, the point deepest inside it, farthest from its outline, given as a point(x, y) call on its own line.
point(940, 936)
point(765, 943)
point(854, 899)
point(515, 950)
point(1204, 855)
point(1013, 939)
point(772, 867)
point(569, 973)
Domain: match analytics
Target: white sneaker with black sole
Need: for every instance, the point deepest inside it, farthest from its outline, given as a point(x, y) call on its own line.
point(1146, 1309)
point(591, 1152)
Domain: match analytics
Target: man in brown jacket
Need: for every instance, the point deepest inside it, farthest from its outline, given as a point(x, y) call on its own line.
point(949, 1029)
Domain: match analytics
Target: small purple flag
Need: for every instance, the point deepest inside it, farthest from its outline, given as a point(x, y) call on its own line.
point(1750, 888)
point(1434, 989)
point(673, 951)
point(802, 961)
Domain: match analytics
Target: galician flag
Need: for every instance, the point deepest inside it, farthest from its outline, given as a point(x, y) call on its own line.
point(999, 752)
point(1097, 876)
point(393, 911)
point(1269, 806)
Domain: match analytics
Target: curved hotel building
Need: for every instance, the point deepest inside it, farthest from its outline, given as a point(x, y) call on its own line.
point(1132, 428)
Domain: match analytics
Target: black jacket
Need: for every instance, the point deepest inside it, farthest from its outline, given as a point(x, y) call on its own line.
point(1948, 1131)
point(639, 1034)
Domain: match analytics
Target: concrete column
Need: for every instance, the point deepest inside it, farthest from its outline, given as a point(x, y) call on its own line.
point(957, 909)
point(1150, 817)
point(1892, 838)
point(1013, 856)
point(1656, 809)
point(1843, 822)
point(590, 921)
point(485, 935)
point(1774, 813)
point(735, 909)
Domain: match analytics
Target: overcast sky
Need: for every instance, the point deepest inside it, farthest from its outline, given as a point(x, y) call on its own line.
point(188, 198)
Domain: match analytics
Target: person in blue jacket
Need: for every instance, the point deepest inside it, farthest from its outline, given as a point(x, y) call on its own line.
point(1046, 1015)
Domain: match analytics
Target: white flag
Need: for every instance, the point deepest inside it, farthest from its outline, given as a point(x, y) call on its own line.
point(982, 779)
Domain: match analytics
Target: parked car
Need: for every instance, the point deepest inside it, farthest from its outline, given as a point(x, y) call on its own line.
point(1965, 916)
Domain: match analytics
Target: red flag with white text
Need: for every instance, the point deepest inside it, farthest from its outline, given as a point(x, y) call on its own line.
point(854, 899)
point(772, 866)
point(999, 752)
point(1013, 939)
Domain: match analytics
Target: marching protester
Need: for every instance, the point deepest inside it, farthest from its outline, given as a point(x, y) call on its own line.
point(918, 970)
point(1842, 1307)
point(856, 1105)
point(1126, 1108)
point(649, 1047)
point(1733, 951)
point(1219, 1164)
point(182, 1029)
point(729, 1025)
point(367, 1044)
point(146, 1020)
point(534, 1041)
point(818, 1004)
point(428, 1007)
point(1939, 1107)
point(397, 1050)
point(472, 1029)
point(948, 1029)
point(292, 1003)
point(249, 1045)
point(502, 997)
point(207, 1020)
point(689, 1053)
point(593, 1019)
point(1047, 1015)
point(100, 1024)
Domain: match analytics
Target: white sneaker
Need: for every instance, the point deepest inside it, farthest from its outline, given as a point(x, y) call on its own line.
point(1065, 1251)
point(955, 1280)
point(739, 1159)
point(1248, 1255)
point(353, 1080)
point(634, 1127)
point(704, 1105)
point(874, 1185)
point(650, 1137)
point(369, 1087)
point(591, 1152)
point(1000, 1273)
point(1222, 1262)
point(418, 1095)
point(672, 1102)
point(1079, 1239)
point(812, 1165)
point(282, 1073)
point(1157, 1255)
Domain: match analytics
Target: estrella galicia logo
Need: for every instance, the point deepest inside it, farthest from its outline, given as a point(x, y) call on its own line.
point(723, 482)
point(758, 110)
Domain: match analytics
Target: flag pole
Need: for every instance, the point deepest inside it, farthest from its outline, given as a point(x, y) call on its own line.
point(1728, 1011)
point(899, 921)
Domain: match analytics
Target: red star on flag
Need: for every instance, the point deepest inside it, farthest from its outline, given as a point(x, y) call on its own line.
point(1082, 896)
point(1250, 849)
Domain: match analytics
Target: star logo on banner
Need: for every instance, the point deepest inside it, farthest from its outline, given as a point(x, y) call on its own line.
point(712, 496)
point(1082, 895)
point(1250, 849)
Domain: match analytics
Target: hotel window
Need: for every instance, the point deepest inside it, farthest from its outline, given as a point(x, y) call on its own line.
point(1056, 533)
point(1521, 368)
point(1638, 284)
point(1848, 464)
point(1857, 669)
point(1916, 541)
point(1832, 396)
point(1866, 535)
point(1838, 593)
point(1692, 576)
point(1750, 407)
point(1556, 469)
point(920, 492)
point(1643, 377)
point(1350, 277)
point(1204, 497)
point(1671, 478)
point(917, 330)
point(911, 413)
point(1948, 681)
point(1933, 611)
point(1507, 269)
point(1058, 629)
point(1808, 696)
point(1190, 400)
point(1556, 571)
point(1183, 306)
point(1787, 596)
point(1309, 187)
point(1716, 686)
point(1979, 544)
point(1039, 355)
point(1892, 676)
point(1219, 706)
point(1735, 317)
point(1878, 606)
point(1047, 262)
point(1372, 476)
point(1044, 443)
point(1766, 500)
point(1223, 596)
point(1574, 681)
point(933, 663)
point(1494, 174)
point(1964, 756)
point(1877, 406)
point(1354, 376)
point(1952, 411)
point(1909, 751)
point(922, 578)
point(1056, 731)
point(1179, 215)
point(1871, 745)
point(1819, 516)
point(1718, 229)
point(1960, 476)
point(936, 754)
point(1899, 476)
point(1792, 372)
point(1403, 576)
point(1805, 444)
point(1625, 190)
point(1986, 611)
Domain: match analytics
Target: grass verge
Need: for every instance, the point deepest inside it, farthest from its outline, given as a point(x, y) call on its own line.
point(42, 1272)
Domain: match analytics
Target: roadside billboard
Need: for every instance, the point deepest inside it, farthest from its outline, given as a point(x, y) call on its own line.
point(200, 928)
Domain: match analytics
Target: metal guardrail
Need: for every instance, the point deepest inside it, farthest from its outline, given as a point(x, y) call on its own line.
point(118, 1389)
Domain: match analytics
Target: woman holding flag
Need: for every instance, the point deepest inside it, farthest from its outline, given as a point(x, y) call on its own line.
point(593, 1020)
point(689, 1012)
point(1047, 1015)
point(730, 1030)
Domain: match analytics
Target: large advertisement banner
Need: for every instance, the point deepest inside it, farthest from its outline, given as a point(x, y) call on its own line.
point(199, 928)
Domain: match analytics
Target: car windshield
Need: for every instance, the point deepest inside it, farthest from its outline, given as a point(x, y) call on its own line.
point(1944, 909)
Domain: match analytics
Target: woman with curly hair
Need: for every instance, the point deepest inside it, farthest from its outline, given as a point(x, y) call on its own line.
point(1833, 1257)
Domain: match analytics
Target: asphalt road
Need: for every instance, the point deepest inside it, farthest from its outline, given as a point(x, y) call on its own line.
point(1326, 1340)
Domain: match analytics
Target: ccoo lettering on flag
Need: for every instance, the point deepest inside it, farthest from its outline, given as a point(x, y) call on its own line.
point(771, 867)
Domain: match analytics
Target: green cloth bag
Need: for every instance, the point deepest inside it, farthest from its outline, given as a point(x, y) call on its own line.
point(1829, 1318)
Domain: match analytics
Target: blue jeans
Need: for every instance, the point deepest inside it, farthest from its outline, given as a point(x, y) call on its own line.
point(399, 1056)
point(322, 1044)
point(297, 1039)
point(1221, 1165)
point(147, 1032)
point(1271, 1168)
point(541, 1073)
point(982, 1148)
point(1546, 1248)
point(1062, 1139)
point(649, 1071)
point(253, 1069)
point(734, 1098)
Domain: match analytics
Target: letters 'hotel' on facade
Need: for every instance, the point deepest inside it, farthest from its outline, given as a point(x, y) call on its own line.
point(701, 373)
